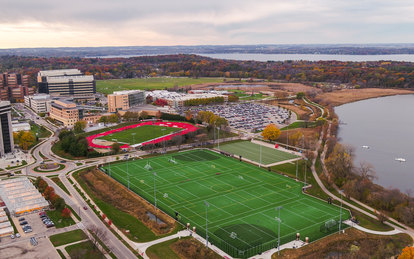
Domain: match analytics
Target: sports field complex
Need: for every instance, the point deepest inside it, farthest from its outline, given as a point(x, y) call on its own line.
point(240, 199)
point(252, 152)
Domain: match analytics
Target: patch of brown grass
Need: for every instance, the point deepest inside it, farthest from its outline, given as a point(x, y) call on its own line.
point(352, 95)
point(191, 248)
point(352, 244)
point(101, 184)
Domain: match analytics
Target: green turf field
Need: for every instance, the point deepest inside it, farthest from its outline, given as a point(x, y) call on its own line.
point(109, 86)
point(142, 134)
point(242, 199)
point(251, 151)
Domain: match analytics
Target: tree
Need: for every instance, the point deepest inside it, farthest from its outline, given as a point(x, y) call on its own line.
point(144, 115)
point(66, 213)
point(58, 203)
point(300, 95)
point(188, 115)
point(296, 138)
point(340, 164)
point(407, 253)
point(79, 126)
point(271, 132)
point(48, 192)
point(25, 139)
point(116, 148)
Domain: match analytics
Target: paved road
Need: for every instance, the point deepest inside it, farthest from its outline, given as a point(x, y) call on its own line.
point(88, 217)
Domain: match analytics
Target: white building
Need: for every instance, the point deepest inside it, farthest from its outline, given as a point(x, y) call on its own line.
point(40, 103)
point(175, 99)
point(21, 197)
point(23, 126)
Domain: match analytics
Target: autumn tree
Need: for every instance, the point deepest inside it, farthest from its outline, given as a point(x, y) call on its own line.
point(144, 115)
point(79, 126)
point(24, 139)
point(296, 138)
point(271, 132)
point(48, 192)
point(66, 213)
point(407, 253)
point(340, 164)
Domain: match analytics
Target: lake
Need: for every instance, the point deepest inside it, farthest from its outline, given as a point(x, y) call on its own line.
point(283, 57)
point(310, 57)
point(385, 125)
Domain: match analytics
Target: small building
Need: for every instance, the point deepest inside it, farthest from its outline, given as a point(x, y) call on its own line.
point(22, 126)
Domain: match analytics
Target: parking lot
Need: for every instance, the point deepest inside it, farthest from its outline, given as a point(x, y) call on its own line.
point(34, 221)
point(22, 248)
point(246, 116)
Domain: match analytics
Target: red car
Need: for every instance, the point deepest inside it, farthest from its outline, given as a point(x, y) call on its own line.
point(85, 208)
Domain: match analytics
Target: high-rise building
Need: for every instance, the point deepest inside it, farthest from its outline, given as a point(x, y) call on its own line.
point(66, 82)
point(6, 131)
point(123, 100)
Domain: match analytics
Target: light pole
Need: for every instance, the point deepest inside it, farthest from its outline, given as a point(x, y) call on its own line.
point(218, 138)
point(260, 156)
point(155, 196)
point(207, 205)
point(128, 173)
point(306, 165)
point(278, 231)
point(340, 214)
point(149, 168)
point(297, 161)
point(133, 137)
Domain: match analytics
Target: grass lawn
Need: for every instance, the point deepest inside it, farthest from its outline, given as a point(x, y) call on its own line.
point(84, 250)
point(241, 199)
point(163, 250)
point(300, 124)
point(60, 184)
point(42, 132)
point(109, 86)
point(68, 237)
point(56, 217)
point(138, 232)
point(251, 151)
point(142, 134)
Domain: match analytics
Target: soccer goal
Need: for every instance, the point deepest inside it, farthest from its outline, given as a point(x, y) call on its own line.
point(329, 226)
point(172, 160)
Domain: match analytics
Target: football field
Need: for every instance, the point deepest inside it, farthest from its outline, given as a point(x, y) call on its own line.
point(142, 134)
point(239, 199)
point(251, 151)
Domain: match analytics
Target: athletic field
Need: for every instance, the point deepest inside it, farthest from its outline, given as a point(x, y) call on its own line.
point(142, 134)
point(242, 199)
point(251, 151)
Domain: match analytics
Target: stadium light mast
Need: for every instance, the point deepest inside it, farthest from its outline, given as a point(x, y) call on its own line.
point(207, 205)
point(218, 138)
point(155, 196)
point(340, 213)
point(128, 174)
point(133, 137)
point(260, 156)
point(278, 231)
point(306, 167)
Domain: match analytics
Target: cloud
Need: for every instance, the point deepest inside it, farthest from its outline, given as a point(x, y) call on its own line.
point(39, 23)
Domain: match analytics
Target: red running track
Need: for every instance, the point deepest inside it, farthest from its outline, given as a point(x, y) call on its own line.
point(185, 126)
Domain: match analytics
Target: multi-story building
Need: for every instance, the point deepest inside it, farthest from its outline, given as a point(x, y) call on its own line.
point(13, 87)
point(65, 112)
point(175, 99)
point(123, 100)
point(40, 103)
point(6, 131)
point(66, 82)
point(68, 113)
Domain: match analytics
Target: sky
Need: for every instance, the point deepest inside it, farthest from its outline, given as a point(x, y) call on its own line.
point(89, 23)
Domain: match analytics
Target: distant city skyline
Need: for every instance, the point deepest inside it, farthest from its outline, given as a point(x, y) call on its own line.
point(76, 23)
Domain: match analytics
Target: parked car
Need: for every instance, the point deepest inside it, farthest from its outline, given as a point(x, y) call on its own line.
point(18, 235)
point(21, 219)
point(12, 236)
point(23, 223)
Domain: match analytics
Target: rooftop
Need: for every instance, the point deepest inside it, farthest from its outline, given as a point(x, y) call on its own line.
point(127, 92)
point(60, 72)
